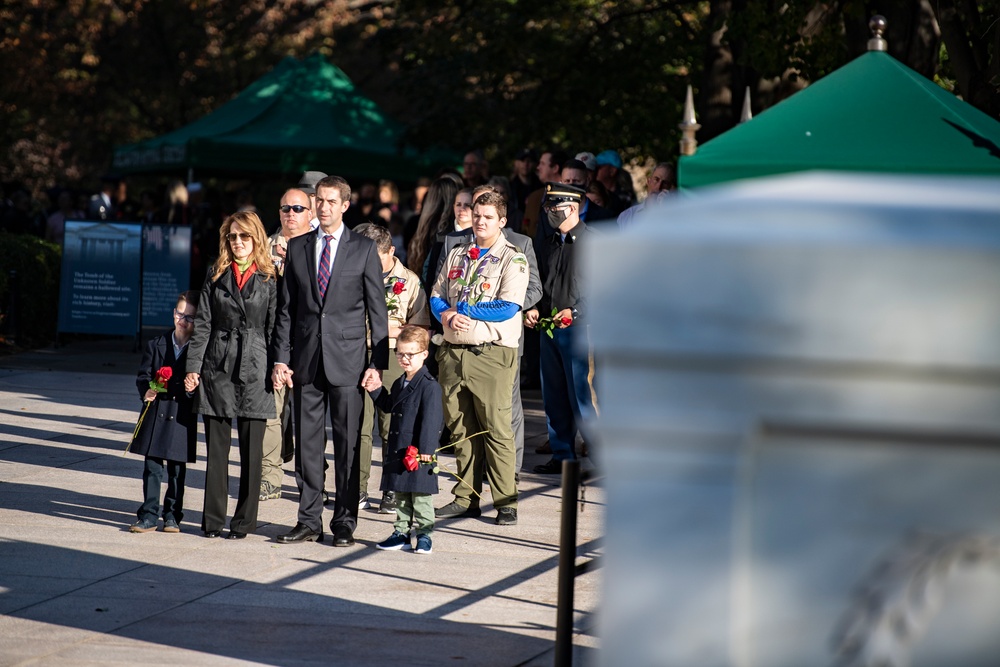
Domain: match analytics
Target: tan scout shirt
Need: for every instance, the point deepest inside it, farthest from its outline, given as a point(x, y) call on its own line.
point(501, 274)
point(410, 305)
point(278, 241)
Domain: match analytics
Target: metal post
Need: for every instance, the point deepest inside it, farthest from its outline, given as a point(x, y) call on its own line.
point(567, 564)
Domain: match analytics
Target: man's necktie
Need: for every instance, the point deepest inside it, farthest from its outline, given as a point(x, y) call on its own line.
point(323, 276)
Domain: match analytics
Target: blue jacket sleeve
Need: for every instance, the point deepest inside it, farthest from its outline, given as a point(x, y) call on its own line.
point(491, 311)
point(438, 306)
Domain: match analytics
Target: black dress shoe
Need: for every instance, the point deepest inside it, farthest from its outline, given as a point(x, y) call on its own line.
point(343, 536)
point(301, 533)
point(213, 533)
point(551, 467)
point(235, 535)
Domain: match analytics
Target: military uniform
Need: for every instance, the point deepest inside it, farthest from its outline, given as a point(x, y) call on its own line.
point(568, 394)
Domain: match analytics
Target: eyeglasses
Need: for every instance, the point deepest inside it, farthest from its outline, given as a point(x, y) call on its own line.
point(406, 356)
point(243, 236)
point(294, 207)
point(184, 318)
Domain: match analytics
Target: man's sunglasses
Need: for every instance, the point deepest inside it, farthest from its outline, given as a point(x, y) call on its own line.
point(287, 207)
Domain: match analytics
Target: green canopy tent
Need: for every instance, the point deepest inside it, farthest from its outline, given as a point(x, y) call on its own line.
point(302, 115)
point(873, 114)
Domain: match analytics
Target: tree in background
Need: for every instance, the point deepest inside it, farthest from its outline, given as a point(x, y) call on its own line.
point(81, 77)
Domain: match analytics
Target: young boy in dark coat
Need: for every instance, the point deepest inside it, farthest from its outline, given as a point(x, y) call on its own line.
point(169, 431)
point(416, 421)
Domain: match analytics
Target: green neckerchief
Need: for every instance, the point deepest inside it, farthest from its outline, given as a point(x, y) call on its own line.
point(243, 265)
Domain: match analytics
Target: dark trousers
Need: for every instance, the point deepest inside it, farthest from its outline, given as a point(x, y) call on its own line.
point(567, 389)
point(173, 500)
point(218, 439)
point(345, 406)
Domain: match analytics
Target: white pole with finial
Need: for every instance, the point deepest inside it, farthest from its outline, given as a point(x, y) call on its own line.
point(689, 126)
point(747, 113)
point(877, 25)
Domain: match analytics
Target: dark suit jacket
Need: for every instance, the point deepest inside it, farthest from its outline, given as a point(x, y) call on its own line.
point(98, 210)
point(310, 329)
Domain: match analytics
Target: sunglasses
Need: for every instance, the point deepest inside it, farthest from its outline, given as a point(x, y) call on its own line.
point(243, 236)
point(181, 316)
point(287, 207)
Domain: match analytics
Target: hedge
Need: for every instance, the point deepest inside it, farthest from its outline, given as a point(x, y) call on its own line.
point(35, 294)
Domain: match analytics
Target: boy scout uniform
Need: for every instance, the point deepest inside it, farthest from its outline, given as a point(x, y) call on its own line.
point(476, 368)
point(407, 307)
point(277, 431)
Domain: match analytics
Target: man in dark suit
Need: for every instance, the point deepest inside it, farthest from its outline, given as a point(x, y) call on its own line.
point(102, 205)
point(332, 283)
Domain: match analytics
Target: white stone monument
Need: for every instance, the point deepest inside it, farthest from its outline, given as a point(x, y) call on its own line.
point(799, 385)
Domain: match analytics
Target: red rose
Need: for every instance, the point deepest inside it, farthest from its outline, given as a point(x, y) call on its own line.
point(454, 273)
point(410, 461)
point(163, 375)
point(398, 287)
point(474, 252)
point(567, 321)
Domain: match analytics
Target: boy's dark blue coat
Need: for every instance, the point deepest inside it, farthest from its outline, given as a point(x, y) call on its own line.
point(170, 429)
point(417, 419)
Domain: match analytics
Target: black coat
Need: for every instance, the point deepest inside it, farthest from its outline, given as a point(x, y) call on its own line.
point(229, 347)
point(170, 428)
point(417, 419)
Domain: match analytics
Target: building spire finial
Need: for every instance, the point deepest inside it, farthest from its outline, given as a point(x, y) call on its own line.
point(877, 25)
point(689, 126)
point(747, 113)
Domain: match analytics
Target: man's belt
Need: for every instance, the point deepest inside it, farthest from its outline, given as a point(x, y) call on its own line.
point(477, 349)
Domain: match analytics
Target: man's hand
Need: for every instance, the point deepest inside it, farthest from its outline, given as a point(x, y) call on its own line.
point(394, 329)
point(563, 318)
point(281, 376)
point(456, 322)
point(191, 382)
point(531, 318)
point(372, 378)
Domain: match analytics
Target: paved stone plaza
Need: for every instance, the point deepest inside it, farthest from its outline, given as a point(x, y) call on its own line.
point(76, 588)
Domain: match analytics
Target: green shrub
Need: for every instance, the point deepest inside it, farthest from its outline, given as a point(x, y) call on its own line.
point(37, 264)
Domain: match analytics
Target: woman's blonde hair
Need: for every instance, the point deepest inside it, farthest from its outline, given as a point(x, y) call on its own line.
point(261, 254)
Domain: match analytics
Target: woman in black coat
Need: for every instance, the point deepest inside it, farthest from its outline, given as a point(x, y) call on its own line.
point(228, 364)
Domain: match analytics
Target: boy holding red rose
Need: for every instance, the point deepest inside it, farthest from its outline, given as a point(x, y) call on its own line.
point(168, 431)
point(414, 404)
point(406, 303)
